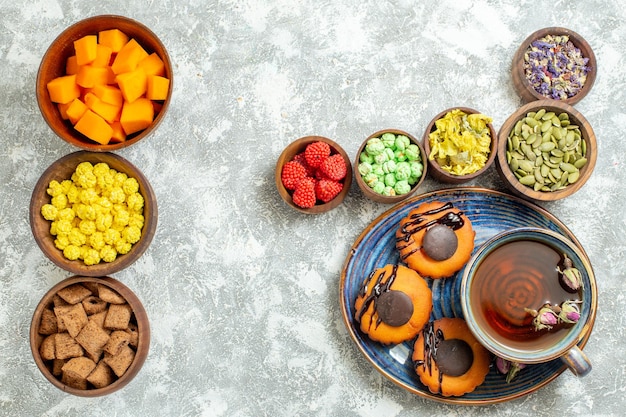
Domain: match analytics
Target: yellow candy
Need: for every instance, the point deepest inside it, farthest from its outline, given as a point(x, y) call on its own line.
point(49, 212)
point(96, 215)
point(71, 252)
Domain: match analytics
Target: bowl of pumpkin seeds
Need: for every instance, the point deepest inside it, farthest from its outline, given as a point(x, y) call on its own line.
point(547, 150)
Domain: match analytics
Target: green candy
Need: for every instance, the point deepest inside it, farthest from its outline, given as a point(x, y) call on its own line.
point(379, 187)
point(375, 146)
point(390, 180)
point(389, 140)
point(371, 179)
point(402, 142)
point(389, 191)
point(417, 168)
point(389, 167)
point(381, 158)
point(403, 171)
point(412, 152)
point(365, 168)
point(378, 170)
point(402, 187)
point(365, 157)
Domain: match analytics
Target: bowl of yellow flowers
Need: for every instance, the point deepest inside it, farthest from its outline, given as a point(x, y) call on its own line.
point(93, 213)
point(460, 145)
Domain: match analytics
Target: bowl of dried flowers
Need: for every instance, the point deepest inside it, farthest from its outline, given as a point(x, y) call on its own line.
point(556, 64)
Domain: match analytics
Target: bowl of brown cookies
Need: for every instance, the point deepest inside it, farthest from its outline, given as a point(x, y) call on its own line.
point(89, 336)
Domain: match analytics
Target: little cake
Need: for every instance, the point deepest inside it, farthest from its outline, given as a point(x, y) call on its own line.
point(448, 358)
point(393, 304)
point(435, 239)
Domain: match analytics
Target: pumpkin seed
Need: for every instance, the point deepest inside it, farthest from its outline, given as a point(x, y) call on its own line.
point(528, 180)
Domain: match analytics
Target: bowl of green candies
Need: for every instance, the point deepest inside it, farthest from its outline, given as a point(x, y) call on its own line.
point(390, 165)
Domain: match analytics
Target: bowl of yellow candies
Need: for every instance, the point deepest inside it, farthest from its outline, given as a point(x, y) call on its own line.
point(93, 213)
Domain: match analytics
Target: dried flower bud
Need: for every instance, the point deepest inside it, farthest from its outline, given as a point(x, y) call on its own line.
point(510, 369)
point(545, 318)
point(570, 312)
point(570, 277)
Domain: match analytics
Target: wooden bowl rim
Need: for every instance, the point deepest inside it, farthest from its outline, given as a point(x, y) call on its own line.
point(379, 198)
point(50, 66)
point(587, 134)
point(143, 344)
point(298, 146)
point(526, 91)
point(40, 226)
point(444, 176)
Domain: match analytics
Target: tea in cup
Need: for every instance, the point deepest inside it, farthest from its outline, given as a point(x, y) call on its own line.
point(529, 296)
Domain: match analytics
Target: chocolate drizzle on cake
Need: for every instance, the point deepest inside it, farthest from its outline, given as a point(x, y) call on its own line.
point(454, 357)
point(418, 222)
point(394, 308)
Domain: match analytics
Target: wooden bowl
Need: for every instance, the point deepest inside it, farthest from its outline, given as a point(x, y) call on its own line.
point(524, 88)
point(298, 147)
point(506, 172)
point(435, 169)
point(138, 317)
point(53, 65)
point(62, 169)
point(367, 190)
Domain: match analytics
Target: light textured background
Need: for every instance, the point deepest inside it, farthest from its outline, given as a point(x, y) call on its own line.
point(241, 291)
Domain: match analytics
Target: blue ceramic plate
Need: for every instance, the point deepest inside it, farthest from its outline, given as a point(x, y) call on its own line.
point(491, 212)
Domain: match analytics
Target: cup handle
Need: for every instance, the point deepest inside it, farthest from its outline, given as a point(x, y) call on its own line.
point(577, 361)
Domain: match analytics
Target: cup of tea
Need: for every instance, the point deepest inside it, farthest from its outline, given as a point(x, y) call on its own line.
point(529, 296)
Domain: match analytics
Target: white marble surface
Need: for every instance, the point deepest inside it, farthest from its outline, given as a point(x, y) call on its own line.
point(241, 291)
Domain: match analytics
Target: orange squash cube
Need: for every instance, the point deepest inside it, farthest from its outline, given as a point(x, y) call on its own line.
point(157, 87)
point(152, 65)
point(63, 110)
point(71, 67)
point(113, 38)
point(63, 89)
point(85, 48)
point(133, 84)
point(109, 94)
point(103, 56)
point(137, 115)
point(128, 57)
point(108, 112)
point(89, 76)
point(94, 127)
point(119, 135)
point(76, 110)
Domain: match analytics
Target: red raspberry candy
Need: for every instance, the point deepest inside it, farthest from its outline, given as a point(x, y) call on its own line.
point(304, 194)
point(310, 172)
point(326, 190)
point(316, 152)
point(291, 175)
point(334, 167)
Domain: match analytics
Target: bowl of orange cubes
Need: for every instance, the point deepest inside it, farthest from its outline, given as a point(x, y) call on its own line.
point(104, 83)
